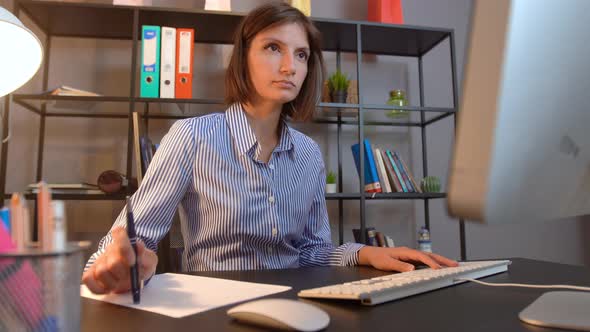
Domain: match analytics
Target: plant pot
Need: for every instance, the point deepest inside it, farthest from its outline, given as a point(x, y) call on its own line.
point(331, 188)
point(339, 96)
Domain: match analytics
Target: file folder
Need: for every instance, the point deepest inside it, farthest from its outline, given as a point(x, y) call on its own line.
point(150, 62)
point(184, 63)
point(168, 62)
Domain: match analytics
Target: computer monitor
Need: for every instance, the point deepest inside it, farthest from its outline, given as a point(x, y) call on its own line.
point(522, 151)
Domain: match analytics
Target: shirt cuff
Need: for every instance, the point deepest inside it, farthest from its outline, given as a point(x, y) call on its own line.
point(350, 257)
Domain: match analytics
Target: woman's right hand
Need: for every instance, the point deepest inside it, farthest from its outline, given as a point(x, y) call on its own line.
point(111, 270)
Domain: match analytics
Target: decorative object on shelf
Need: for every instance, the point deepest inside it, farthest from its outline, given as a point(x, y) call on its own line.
point(338, 84)
point(112, 182)
point(430, 184)
point(21, 54)
point(397, 98)
point(331, 183)
point(351, 98)
point(424, 242)
point(303, 5)
point(385, 11)
point(222, 5)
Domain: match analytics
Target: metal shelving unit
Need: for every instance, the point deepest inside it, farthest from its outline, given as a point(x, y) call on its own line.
point(86, 20)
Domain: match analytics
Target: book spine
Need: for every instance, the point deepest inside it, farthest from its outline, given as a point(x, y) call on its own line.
point(371, 237)
point(403, 172)
point(417, 187)
point(389, 241)
point(385, 186)
point(391, 173)
point(370, 159)
point(397, 172)
point(380, 239)
point(369, 186)
point(357, 235)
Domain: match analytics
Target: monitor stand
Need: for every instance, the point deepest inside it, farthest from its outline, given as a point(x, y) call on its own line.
point(563, 309)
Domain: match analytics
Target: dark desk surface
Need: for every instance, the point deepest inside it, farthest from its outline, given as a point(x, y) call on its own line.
point(465, 307)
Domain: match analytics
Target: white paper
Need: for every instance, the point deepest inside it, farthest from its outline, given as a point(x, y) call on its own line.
point(180, 295)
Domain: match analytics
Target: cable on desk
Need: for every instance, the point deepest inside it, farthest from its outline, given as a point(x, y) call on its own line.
point(580, 288)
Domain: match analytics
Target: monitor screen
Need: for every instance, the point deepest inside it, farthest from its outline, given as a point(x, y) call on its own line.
point(522, 150)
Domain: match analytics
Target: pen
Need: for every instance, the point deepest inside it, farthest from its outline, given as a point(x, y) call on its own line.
point(133, 239)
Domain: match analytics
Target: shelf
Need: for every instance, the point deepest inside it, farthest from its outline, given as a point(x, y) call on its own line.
point(84, 106)
point(76, 196)
point(381, 196)
point(88, 20)
point(338, 196)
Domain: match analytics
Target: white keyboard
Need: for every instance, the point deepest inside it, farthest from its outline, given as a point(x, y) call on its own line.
point(399, 285)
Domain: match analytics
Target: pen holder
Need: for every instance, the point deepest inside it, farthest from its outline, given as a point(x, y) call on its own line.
point(40, 290)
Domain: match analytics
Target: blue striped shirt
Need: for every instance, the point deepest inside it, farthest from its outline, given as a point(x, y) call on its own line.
point(237, 212)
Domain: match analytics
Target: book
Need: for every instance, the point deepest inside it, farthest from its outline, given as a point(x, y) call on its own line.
point(70, 92)
point(389, 241)
point(357, 235)
point(371, 237)
point(403, 172)
point(397, 171)
point(380, 239)
point(385, 184)
point(372, 184)
point(65, 90)
point(416, 186)
point(396, 186)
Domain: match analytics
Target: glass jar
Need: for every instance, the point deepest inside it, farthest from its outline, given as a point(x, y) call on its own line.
point(397, 98)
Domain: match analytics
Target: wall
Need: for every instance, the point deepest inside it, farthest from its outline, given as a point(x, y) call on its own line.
point(79, 149)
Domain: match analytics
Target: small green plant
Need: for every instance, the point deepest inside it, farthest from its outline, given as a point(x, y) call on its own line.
point(338, 82)
point(331, 177)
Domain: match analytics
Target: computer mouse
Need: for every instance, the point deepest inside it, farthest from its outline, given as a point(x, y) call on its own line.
point(281, 314)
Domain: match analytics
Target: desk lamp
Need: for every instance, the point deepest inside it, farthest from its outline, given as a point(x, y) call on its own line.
point(20, 53)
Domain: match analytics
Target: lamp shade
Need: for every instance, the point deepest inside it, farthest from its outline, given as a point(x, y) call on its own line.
point(21, 53)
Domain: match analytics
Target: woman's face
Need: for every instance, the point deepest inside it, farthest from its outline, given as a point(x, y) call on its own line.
point(277, 62)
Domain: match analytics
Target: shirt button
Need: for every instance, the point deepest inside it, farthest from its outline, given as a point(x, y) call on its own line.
point(274, 232)
point(271, 166)
point(271, 199)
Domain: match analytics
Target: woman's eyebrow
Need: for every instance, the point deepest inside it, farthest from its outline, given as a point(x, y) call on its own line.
point(278, 41)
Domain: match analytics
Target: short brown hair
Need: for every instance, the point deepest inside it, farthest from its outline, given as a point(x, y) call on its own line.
point(238, 84)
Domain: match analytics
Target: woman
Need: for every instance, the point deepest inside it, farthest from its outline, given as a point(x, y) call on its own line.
point(251, 189)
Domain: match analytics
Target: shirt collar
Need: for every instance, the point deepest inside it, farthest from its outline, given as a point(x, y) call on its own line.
point(244, 135)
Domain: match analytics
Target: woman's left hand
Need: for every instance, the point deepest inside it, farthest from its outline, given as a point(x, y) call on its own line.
point(395, 259)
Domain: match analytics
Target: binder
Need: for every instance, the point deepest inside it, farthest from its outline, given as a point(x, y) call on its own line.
point(150, 62)
point(168, 62)
point(184, 63)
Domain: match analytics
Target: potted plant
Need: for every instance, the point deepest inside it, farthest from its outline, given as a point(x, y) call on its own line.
point(338, 84)
point(331, 183)
point(430, 184)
